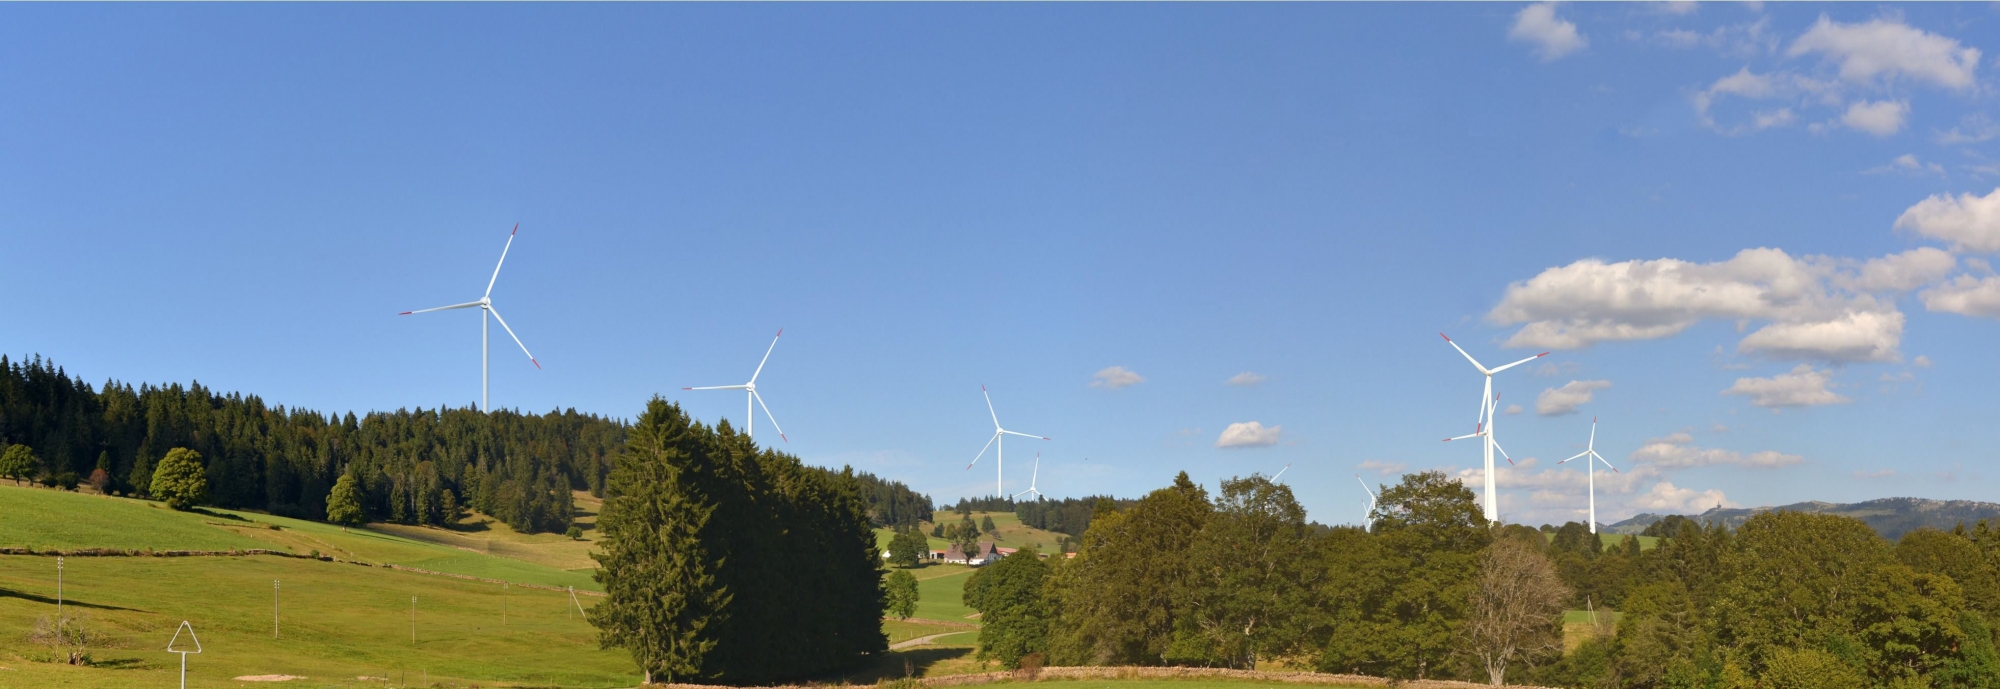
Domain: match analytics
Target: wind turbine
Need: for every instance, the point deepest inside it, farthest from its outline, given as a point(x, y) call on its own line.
point(999, 435)
point(1491, 500)
point(1591, 470)
point(1368, 515)
point(750, 412)
point(1032, 478)
point(485, 305)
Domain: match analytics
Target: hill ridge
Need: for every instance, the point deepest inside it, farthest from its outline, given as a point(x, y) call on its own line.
point(1891, 517)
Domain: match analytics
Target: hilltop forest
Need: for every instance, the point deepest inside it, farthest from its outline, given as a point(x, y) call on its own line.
point(414, 466)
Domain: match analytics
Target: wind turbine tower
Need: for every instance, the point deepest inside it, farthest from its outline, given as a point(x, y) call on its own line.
point(999, 436)
point(1490, 502)
point(485, 305)
point(1590, 468)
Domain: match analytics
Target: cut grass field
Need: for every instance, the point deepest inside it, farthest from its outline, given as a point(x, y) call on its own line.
point(47, 519)
point(338, 621)
point(1009, 533)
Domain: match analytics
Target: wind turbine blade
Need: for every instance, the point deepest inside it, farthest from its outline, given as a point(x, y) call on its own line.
point(1579, 454)
point(767, 415)
point(1468, 357)
point(1602, 459)
point(1474, 434)
point(1281, 472)
point(510, 333)
point(982, 451)
point(1364, 487)
point(720, 387)
point(1503, 452)
point(1593, 434)
point(1024, 435)
point(503, 261)
point(767, 357)
point(989, 407)
point(465, 305)
point(1517, 363)
point(1032, 478)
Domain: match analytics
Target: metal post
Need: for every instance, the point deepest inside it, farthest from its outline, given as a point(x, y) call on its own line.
point(572, 597)
point(503, 604)
point(59, 586)
point(184, 671)
point(274, 608)
point(413, 620)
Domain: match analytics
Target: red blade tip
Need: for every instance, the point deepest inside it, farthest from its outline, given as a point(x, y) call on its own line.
point(1543, 354)
point(538, 365)
point(517, 230)
point(406, 313)
point(781, 333)
point(781, 436)
point(1447, 338)
point(687, 388)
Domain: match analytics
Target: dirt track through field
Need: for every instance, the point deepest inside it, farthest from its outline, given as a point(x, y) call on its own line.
point(921, 640)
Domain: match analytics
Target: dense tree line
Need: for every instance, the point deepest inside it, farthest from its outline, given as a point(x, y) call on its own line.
point(1431, 590)
point(892, 504)
point(412, 466)
point(730, 564)
point(1068, 515)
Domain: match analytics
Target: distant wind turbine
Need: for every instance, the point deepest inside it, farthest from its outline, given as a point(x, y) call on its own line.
point(1032, 478)
point(1591, 470)
point(1491, 500)
point(1367, 515)
point(485, 305)
point(999, 436)
point(750, 411)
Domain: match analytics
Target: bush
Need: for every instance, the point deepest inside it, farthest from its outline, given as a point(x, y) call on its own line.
point(574, 533)
point(1809, 669)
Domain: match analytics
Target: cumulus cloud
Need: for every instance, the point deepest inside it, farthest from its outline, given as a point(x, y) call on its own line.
point(1880, 50)
point(1671, 499)
point(1244, 379)
point(1969, 223)
point(1381, 467)
point(1801, 387)
point(1750, 85)
point(1820, 308)
point(1248, 434)
point(1565, 399)
point(1678, 451)
point(1513, 409)
point(1921, 361)
point(1116, 377)
point(1880, 118)
point(1552, 36)
point(1964, 295)
point(1971, 129)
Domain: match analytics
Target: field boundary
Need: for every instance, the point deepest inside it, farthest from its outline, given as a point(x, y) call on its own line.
point(123, 552)
point(1134, 672)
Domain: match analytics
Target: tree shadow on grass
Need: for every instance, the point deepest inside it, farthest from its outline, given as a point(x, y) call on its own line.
point(910, 662)
point(8, 593)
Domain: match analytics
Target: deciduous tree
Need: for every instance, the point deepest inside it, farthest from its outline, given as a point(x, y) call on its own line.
point(1517, 607)
point(901, 593)
point(180, 479)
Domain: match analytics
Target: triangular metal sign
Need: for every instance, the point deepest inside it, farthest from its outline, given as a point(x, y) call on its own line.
point(177, 639)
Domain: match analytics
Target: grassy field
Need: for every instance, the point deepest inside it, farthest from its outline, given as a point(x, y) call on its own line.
point(940, 589)
point(1011, 533)
point(50, 519)
point(338, 621)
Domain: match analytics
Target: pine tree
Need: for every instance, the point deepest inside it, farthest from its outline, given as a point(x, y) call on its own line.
point(180, 479)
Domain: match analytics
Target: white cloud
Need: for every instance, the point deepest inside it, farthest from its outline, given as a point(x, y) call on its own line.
point(1552, 36)
point(1801, 387)
point(1677, 7)
point(1381, 467)
point(1565, 399)
point(1921, 361)
point(1965, 295)
point(1880, 473)
point(1820, 307)
point(1513, 409)
point(1774, 85)
point(1678, 451)
point(1668, 498)
point(1248, 434)
point(1881, 50)
point(1909, 164)
point(1116, 377)
point(1969, 223)
point(1901, 272)
point(1971, 129)
point(1244, 379)
point(1880, 118)
point(1854, 336)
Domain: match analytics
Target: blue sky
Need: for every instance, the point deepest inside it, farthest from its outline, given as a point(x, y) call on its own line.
point(1754, 237)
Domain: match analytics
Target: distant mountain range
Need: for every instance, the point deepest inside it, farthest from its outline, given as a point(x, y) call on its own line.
point(1890, 517)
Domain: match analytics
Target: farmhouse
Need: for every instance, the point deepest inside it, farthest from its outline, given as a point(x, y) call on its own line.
point(986, 554)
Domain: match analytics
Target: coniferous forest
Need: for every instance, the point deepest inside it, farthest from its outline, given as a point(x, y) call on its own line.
point(412, 466)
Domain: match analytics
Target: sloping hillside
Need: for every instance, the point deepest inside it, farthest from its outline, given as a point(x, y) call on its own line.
point(1891, 517)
